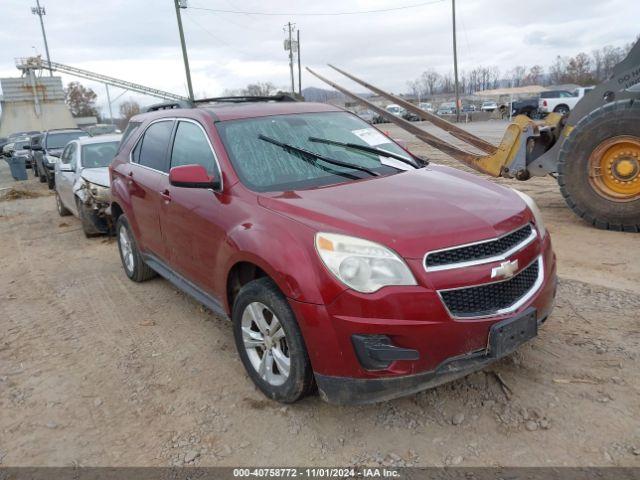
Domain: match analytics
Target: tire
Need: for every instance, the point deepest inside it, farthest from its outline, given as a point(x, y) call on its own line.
point(62, 210)
point(562, 109)
point(616, 119)
point(261, 299)
point(51, 181)
point(42, 176)
point(135, 267)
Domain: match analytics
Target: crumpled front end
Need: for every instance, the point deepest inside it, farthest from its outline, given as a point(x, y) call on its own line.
point(94, 202)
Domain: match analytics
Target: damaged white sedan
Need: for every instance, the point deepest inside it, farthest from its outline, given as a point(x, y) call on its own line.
point(82, 181)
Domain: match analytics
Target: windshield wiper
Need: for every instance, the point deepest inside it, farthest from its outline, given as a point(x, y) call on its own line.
point(316, 156)
point(365, 148)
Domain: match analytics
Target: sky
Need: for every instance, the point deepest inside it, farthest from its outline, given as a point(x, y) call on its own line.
point(137, 40)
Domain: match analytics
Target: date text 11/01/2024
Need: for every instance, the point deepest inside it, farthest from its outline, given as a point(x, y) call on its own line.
point(368, 472)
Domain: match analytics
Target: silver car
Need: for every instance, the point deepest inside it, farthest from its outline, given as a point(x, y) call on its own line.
point(82, 181)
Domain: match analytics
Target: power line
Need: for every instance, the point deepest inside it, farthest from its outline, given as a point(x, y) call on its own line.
point(191, 19)
point(318, 14)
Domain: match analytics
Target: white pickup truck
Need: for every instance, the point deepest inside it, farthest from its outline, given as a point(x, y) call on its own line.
point(560, 101)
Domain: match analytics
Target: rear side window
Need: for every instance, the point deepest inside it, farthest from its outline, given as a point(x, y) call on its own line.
point(151, 151)
point(192, 147)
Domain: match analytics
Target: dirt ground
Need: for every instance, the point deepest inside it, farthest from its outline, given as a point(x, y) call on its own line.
point(98, 371)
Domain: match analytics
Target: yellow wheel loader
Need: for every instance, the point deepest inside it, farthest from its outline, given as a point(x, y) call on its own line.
point(594, 152)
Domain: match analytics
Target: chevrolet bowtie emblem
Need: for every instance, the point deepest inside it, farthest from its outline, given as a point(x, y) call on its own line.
point(505, 270)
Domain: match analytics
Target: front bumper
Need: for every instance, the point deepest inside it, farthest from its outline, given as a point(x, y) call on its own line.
point(358, 391)
point(413, 318)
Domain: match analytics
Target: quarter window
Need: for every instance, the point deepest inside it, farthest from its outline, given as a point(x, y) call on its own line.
point(152, 150)
point(192, 147)
point(131, 128)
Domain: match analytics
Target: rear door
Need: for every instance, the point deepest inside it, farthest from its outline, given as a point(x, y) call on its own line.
point(148, 169)
point(191, 218)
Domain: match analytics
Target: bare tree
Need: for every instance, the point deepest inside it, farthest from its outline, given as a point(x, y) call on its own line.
point(128, 109)
point(431, 80)
point(415, 88)
point(516, 75)
point(260, 89)
point(558, 70)
point(535, 75)
point(579, 69)
point(81, 100)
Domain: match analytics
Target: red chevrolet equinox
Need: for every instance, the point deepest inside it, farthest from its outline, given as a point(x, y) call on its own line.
point(345, 263)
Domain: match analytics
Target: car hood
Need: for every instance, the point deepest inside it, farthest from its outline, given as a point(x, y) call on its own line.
point(98, 176)
point(411, 212)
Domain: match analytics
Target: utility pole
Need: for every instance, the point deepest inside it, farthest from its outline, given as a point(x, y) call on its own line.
point(288, 45)
point(299, 68)
point(40, 11)
point(455, 61)
point(183, 4)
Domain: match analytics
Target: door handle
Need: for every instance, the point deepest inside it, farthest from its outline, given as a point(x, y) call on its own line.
point(130, 180)
point(166, 196)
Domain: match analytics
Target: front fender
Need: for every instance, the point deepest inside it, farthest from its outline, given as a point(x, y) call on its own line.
point(288, 257)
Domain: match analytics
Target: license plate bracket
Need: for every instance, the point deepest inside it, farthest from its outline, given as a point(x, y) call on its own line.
point(507, 335)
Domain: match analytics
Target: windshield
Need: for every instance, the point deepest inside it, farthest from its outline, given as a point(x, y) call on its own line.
point(263, 166)
point(59, 140)
point(96, 155)
point(21, 145)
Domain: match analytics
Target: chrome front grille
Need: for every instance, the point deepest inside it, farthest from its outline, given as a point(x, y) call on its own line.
point(494, 298)
point(480, 252)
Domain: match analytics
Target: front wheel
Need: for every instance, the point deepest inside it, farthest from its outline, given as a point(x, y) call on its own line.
point(41, 175)
point(270, 343)
point(599, 167)
point(62, 210)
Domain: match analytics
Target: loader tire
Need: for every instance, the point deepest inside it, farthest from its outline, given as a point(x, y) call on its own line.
point(599, 167)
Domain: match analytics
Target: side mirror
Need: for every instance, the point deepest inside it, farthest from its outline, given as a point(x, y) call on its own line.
point(35, 147)
point(65, 167)
point(192, 176)
point(27, 147)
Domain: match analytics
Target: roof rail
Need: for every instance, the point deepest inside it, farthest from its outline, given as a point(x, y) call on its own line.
point(279, 97)
point(169, 105)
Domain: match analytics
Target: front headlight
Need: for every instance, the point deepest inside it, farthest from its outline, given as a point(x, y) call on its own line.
point(360, 264)
point(100, 193)
point(537, 215)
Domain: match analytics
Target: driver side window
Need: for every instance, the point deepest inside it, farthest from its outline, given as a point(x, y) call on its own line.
point(65, 158)
point(68, 156)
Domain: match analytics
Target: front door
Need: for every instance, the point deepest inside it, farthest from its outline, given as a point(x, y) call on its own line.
point(192, 218)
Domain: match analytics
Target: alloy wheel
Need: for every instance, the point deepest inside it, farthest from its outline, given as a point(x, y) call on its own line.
point(265, 342)
point(126, 249)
